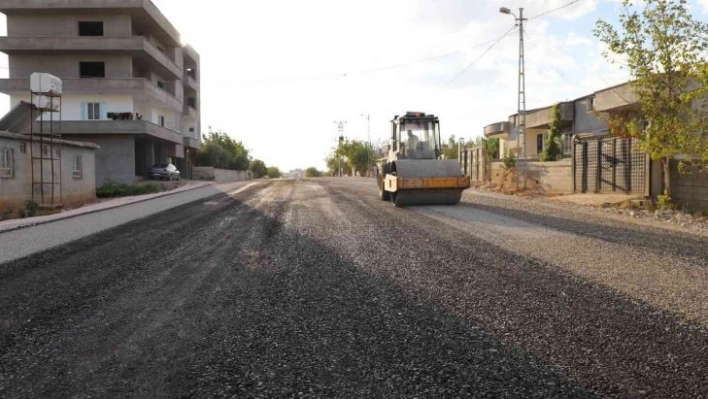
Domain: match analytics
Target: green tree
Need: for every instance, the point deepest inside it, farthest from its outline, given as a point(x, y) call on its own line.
point(356, 156)
point(450, 149)
point(273, 172)
point(312, 172)
point(553, 150)
point(663, 48)
point(221, 151)
point(258, 168)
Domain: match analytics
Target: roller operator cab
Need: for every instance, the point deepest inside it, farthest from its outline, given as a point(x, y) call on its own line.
point(413, 172)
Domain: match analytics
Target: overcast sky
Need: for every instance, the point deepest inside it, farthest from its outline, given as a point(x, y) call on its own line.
point(277, 74)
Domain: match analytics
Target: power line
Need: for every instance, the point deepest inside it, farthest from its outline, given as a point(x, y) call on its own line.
point(499, 39)
point(554, 10)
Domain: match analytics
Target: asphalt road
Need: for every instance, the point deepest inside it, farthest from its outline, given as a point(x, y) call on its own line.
point(315, 288)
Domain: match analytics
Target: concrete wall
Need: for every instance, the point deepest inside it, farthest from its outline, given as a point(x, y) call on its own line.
point(690, 189)
point(220, 175)
point(74, 189)
point(71, 105)
point(118, 66)
point(115, 161)
point(24, 25)
point(546, 177)
point(585, 119)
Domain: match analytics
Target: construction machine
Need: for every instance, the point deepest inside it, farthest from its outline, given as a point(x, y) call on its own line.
point(414, 172)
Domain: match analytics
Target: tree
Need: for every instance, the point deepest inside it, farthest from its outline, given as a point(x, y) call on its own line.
point(553, 150)
point(450, 149)
point(221, 151)
point(312, 172)
point(273, 172)
point(356, 156)
point(663, 49)
point(258, 168)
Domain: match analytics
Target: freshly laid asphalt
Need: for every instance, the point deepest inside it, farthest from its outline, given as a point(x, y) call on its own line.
point(315, 288)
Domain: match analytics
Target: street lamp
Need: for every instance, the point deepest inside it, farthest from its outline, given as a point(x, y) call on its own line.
point(521, 108)
point(340, 140)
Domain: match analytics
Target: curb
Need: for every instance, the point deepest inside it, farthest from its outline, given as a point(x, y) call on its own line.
point(59, 216)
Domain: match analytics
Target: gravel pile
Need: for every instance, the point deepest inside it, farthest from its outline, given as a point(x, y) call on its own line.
point(316, 289)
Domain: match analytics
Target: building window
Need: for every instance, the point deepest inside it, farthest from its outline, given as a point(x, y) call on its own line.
point(161, 84)
point(93, 111)
point(192, 102)
point(78, 170)
point(591, 103)
point(539, 143)
point(161, 120)
point(45, 151)
point(7, 163)
point(90, 28)
point(23, 148)
point(92, 69)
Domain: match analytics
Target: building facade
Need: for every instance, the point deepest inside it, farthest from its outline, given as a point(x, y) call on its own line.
point(129, 85)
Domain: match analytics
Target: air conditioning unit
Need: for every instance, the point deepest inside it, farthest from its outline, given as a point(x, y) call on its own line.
point(44, 83)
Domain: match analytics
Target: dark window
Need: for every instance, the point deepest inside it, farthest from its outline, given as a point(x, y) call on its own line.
point(92, 28)
point(161, 84)
point(539, 143)
point(161, 120)
point(92, 69)
point(192, 102)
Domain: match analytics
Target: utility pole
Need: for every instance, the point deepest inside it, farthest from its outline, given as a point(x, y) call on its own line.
point(340, 140)
point(368, 145)
point(521, 103)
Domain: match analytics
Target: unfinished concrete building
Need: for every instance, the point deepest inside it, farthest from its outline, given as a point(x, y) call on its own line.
point(130, 86)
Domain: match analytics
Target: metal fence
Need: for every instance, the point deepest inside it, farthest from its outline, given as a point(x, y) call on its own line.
point(609, 165)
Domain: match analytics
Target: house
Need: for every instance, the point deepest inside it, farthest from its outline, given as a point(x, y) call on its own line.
point(129, 85)
point(70, 181)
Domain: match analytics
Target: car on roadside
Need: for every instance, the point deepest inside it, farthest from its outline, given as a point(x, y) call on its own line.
point(164, 171)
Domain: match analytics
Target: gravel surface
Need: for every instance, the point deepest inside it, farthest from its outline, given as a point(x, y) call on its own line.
point(315, 288)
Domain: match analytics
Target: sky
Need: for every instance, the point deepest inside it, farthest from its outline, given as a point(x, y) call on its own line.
point(278, 74)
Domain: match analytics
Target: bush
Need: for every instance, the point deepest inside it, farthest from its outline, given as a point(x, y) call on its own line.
point(509, 161)
point(111, 189)
point(30, 210)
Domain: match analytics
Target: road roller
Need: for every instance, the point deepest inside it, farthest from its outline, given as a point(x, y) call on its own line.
point(414, 173)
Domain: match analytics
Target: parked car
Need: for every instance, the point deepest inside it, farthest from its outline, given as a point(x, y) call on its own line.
point(164, 171)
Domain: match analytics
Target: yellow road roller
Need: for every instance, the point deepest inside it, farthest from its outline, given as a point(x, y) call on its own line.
point(414, 172)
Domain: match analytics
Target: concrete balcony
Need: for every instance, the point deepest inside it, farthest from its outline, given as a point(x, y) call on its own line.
point(190, 82)
point(140, 89)
point(136, 128)
point(190, 142)
point(499, 130)
point(139, 47)
point(189, 112)
point(614, 98)
point(542, 118)
point(146, 16)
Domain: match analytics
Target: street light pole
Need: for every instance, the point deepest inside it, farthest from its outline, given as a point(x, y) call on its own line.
point(340, 140)
point(521, 103)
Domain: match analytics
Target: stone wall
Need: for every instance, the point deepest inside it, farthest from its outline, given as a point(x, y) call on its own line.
point(546, 177)
point(220, 175)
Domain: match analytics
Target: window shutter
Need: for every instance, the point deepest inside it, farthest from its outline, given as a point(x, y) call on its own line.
point(84, 111)
point(104, 111)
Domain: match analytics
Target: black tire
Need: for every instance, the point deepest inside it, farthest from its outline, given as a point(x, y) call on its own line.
point(383, 194)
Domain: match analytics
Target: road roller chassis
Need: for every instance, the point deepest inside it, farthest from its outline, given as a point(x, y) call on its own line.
point(413, 172)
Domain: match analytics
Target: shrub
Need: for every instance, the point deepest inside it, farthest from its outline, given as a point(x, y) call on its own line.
point(30, 210)
point(111, 189)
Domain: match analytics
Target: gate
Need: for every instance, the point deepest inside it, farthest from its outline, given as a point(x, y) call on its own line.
point(472, 163)
point(609, 165)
